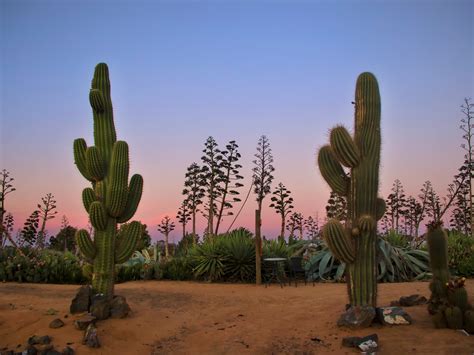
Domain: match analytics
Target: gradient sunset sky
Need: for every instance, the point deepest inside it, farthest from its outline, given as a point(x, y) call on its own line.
point(185, 70)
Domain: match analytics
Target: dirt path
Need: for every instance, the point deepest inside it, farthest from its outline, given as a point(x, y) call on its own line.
point(199, 318)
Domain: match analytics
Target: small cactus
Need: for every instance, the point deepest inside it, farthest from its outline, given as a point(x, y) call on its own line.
point(448, 303)
point(111, 199)
point(454, 317)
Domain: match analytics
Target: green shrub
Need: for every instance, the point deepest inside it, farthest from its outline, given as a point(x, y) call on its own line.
point(44, 266)
point(397, 240)
point(460, 254)
point(179, 268)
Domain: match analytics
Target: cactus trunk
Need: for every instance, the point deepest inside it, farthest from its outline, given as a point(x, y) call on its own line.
point(356, 243)
point(112, 198)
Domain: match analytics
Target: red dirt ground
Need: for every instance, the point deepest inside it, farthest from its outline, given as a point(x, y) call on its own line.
point(199, 318)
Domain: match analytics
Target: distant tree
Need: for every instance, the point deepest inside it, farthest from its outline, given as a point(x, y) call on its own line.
point(65, 240)
point(210, 178)
point(467, 126)
point(312, 227)
point(194, 192)
point(437, 209)
point(229, 182)
point(413, 216)
point(433, 205)
point(282, 202)
point(6, 187)
point(143, 242)
point(396, 204)
point(183, 216)
point(28, 234)
point(166, 227)
point(295, 223)
point(8, 223)
point(262, 179)
point(461, 214)
point(336, 207)
point(47, 211)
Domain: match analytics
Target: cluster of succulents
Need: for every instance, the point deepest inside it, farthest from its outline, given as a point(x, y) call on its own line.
point(448, 303)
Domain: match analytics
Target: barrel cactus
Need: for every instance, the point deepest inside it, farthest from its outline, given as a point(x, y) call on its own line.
point(355, 243)
point(448, 302)
point(112, 199)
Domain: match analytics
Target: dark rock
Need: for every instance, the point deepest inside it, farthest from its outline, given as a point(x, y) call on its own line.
point(119, 307)
point(39, 340)
point(8, 352)
point(393, 316)
point(100, 307)
point(30, 350)
point(357, 317)
point(68, 351)
point(91, 339)
point(83, 322)
point(57, 323)
point(408, 301)
point(82, 301)
point(51, 352)
point(355, 342)
point(351, 342)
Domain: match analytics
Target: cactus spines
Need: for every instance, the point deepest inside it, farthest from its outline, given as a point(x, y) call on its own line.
point(338, 241)
point(98, 216)
point(344, 147)
point(80, 148)
point(380, 208)
point(439, 320)
point(86, 245)
point(134, 196)
point(126, 245)
point(88, 196)
point(454, 317)
point(95, 164)
point(362, 155)
point(332, 171)
point(457, 295)
point(111, 199)
point(438, 250)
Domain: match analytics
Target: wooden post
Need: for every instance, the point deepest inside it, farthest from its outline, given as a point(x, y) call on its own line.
point(258, 248)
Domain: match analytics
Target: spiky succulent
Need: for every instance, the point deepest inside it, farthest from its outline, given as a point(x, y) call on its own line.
point(112, 198)
point(355, 243)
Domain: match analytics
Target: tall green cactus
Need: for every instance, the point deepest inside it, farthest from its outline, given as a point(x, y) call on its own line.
point(111, 199)
point(355, 244)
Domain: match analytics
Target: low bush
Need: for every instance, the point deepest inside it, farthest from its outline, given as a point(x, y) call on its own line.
point(461, 254)
point(45, 266)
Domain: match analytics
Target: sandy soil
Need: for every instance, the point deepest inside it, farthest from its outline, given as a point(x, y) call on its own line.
point(199, 318)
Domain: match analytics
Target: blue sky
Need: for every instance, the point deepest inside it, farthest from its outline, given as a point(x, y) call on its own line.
point(182, 71)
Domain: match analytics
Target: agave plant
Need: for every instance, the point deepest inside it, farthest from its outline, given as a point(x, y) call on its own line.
point(210, 259)
point(239, 249)
point(394, 264)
